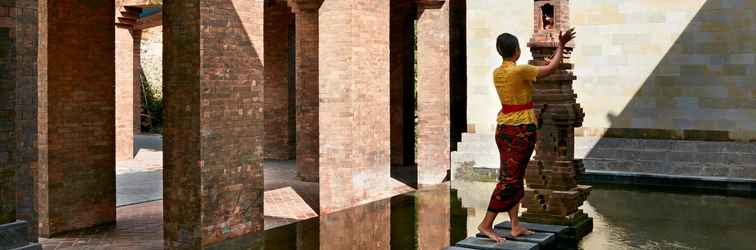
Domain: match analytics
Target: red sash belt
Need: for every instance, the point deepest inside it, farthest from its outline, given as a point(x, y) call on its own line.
point(511, 108)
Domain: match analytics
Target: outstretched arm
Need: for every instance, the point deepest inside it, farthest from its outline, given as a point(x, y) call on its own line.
point(564, 38)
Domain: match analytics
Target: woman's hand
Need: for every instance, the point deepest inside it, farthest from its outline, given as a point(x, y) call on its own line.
point(565, 37)
point(554, 61)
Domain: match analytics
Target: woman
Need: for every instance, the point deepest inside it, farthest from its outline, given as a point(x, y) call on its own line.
point(516, 129)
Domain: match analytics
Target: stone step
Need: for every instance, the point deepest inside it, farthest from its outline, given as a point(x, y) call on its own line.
point(487, 244)
point(30, 246)
point(541, 238)
point(554, 229)
point(13, 235)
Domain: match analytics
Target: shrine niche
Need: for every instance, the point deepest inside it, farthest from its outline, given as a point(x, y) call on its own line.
point(552, 195)
point(547, 16)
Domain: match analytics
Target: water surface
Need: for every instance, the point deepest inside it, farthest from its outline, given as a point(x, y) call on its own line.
point(625, 217)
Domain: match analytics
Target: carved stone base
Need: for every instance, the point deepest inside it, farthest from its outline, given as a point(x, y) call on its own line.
point(578, 222)
point(556, 203)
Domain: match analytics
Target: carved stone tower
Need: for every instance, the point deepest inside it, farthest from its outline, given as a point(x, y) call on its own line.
point(552, 195)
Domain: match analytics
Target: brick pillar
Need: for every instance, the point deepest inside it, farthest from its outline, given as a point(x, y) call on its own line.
point(279, 143)
point(432, 91)
point(136, 37)
point(7, 115)
point(402, 118)
point(18, 53)
point(354, 103)
point(125, 92)
point(26, 114)
point(306, 25)
point(213, 83)
point(76, 115)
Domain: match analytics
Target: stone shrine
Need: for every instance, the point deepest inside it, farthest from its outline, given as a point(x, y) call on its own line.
point(552, 195)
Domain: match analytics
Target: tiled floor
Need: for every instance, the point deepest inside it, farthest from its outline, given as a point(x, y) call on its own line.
point(139, 226)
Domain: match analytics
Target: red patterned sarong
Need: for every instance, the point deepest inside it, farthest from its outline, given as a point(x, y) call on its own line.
point(516, 145)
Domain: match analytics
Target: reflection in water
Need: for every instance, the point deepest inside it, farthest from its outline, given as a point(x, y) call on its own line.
point(418, 220)
point(624, 218)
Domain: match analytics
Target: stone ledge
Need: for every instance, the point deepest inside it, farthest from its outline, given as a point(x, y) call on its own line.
point(668, 134)
point(486, 244)
point(719, 185)
point(30, 246)
point(13, 235)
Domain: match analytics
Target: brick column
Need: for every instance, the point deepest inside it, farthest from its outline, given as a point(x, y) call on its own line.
point(402, 118)
point(354, 103)
point(432, 91)
point(7, 117)
point(26, 114)
point(76, 115)
point(306, 25)
point(125, 91)
point(136, 38)
point(279, 143)
point(213, 83)
point(18, 53)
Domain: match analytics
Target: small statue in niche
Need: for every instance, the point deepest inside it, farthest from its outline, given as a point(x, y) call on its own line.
point(548, 22)
point(548, 16)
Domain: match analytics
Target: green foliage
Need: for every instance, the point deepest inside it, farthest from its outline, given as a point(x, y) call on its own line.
point(152, 107)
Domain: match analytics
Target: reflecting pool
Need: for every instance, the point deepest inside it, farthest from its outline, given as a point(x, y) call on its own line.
point(624, 218)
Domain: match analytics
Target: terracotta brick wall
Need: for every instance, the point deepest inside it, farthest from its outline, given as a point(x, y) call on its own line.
point(136, 36)
point(77, 180)
point(402, 66)
point(279, 143)
point(26, 112)
point(125, 91)
point(354, 102)
point(433, 94)
point(307, 93)
point(213, 85)
point(7, 114)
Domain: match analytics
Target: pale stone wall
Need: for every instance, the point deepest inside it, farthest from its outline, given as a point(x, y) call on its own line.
point(486, 19)
point(640, 64)
point(152, 56)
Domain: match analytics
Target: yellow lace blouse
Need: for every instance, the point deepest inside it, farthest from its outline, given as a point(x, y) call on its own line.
point(514, 85)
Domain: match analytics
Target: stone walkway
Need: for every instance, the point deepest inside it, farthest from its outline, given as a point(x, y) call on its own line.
point(139, 226)
point(141, 179)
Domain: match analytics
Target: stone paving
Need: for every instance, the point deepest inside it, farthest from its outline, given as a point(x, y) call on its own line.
point(149, 155)
point(283, 206)
point(141, 178)
point(139, 226)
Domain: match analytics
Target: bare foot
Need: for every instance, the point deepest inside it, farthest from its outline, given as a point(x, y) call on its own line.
point(491, 234)
point(521, 231)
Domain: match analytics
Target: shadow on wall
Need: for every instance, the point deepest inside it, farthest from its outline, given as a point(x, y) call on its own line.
point(701, 89)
